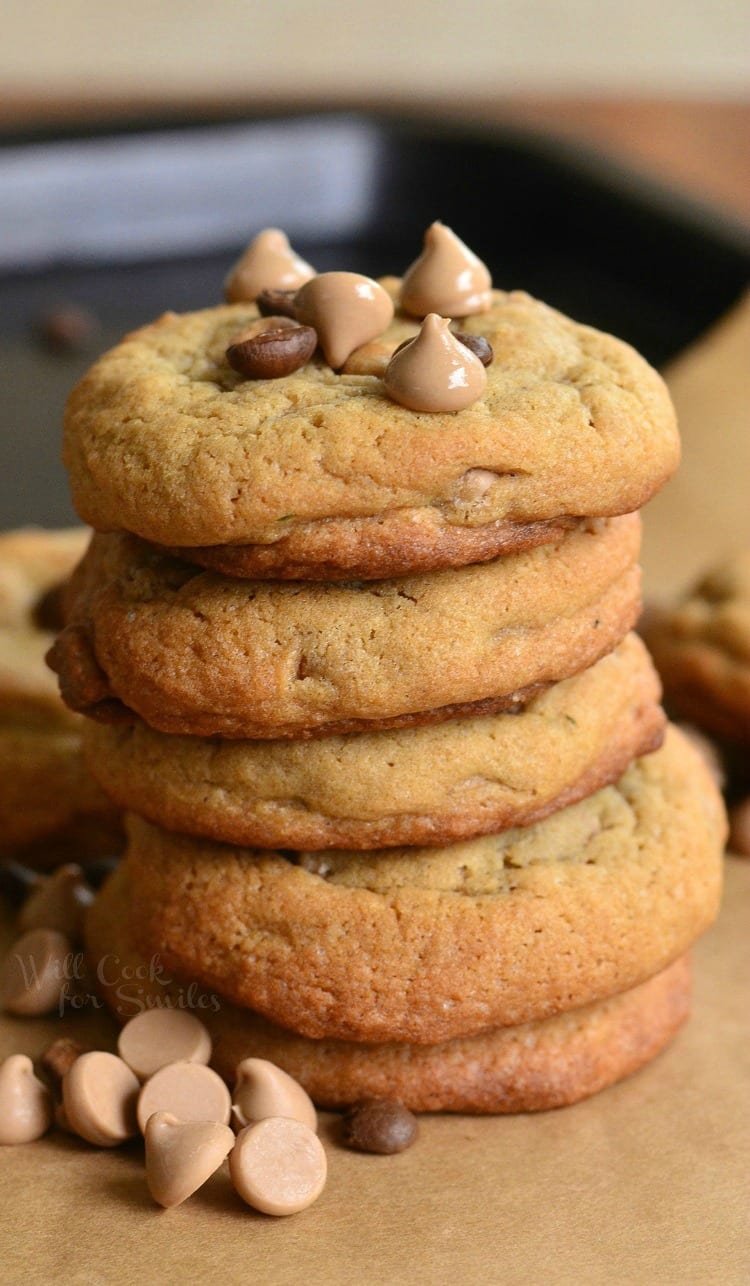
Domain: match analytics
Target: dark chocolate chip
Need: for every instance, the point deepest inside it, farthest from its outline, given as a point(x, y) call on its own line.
point(273, 353)
point(68, 329)
point(380, 1125)
point(476, 344)
point(57, 1060)
point(276, 303)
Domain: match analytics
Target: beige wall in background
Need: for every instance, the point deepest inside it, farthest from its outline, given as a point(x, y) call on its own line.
point(269, 48)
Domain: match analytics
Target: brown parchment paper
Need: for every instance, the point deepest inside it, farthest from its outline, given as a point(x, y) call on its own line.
point(704, 513)
point(647, 1183)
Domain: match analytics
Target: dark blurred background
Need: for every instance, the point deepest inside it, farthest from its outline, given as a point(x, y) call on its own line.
point(595, 154)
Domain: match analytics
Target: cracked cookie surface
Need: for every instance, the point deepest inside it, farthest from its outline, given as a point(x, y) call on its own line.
point(164, 440)
point(426, 945)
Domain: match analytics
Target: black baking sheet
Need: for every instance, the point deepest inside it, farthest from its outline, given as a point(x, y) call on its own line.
point(131, 223)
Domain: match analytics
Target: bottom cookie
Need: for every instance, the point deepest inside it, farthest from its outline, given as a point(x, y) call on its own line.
point(530, 1068)
point(428, 945)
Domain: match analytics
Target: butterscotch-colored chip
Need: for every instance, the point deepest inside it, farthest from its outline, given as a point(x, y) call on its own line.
point(447, 278)
point(278, 1166)
point(190, 1091)
point(34, 973)
point(157, 1037)
point(435, 372)
point(162, 440)
point(182, 1155)
point(59, 902)
point(99, 1098)
point(529, 1068)
point(262, 1089)
point(25, 1103)
point(268, 263)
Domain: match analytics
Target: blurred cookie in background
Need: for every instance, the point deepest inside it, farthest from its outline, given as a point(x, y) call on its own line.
point(701, 647)
point(50, 808)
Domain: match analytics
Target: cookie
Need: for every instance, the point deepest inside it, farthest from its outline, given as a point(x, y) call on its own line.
point(702, 649)
point(33, 566)
point(531, 1068)
point(320, 469)
point(51, 809)
point(49, 805)
point(397, 544)
point(197, 653)
point(429, 785)
point(425, 945)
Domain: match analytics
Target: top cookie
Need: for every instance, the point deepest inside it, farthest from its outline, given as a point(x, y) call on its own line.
point(319, 474)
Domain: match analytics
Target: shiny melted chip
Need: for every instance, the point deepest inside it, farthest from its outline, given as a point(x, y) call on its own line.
point(346, 309)
point(269, 263)
point(447, 278)
point(435, 371)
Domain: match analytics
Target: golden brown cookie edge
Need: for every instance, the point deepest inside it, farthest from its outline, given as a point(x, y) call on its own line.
point(536, 1067)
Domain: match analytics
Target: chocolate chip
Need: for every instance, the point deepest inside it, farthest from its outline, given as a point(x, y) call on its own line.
point(57, 1060)
point(276, 303)
point(48, 613)
point(17, 881)
point(380, 1125)
point(273, 353)
point(263, 324)
point(477, 345)
point(68, 329)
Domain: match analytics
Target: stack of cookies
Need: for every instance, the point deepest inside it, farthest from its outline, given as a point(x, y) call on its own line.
point(354, 643)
